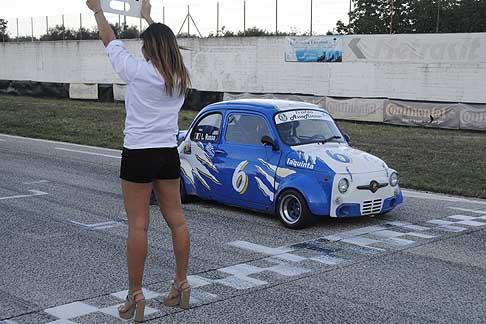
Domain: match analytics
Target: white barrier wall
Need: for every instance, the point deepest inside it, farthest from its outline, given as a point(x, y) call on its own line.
point(444, 67)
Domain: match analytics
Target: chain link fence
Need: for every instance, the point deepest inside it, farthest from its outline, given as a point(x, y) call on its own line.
point(203, 19)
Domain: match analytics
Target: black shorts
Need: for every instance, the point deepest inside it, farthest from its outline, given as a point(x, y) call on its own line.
point(147, 165)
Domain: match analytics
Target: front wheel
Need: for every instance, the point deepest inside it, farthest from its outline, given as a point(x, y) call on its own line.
point(292, 210)
point(185, 198)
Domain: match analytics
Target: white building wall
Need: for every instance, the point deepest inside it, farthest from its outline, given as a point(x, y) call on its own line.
point(444, 67)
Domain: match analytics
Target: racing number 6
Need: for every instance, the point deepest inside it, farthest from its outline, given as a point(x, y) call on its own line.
point(240, 178)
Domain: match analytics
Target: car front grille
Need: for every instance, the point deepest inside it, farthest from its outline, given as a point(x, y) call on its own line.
point(371, 207)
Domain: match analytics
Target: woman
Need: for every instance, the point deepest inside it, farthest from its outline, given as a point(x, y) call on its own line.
point(156, 88)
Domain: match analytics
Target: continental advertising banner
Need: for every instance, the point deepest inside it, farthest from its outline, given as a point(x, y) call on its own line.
point(409, 113)
point(314, 49)
point(356, 109)
point(473, 117)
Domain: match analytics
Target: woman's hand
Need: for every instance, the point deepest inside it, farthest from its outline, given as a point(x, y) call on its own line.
point(94, 5)
point(146, 9)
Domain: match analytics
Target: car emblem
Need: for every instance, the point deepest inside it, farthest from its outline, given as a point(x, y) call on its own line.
point(373, 186)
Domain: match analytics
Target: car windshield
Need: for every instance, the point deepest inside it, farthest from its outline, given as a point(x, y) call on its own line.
point(299, 127)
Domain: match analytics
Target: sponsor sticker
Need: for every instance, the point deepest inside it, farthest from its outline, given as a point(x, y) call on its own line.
point(296, 115)
point(300, 164)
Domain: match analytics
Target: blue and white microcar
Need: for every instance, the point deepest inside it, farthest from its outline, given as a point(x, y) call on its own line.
point(282, 157)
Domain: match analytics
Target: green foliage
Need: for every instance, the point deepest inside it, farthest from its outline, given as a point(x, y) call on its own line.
point(60, 33)
point(250, 32)
point(3, 31)
point(415, 16)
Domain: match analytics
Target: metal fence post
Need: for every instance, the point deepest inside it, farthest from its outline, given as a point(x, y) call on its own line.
point(63, 29)
point(217, 19)
point(17, 29)
point(32, 28)
point(311, 16)
point(188, 22)
point(80, 26)
point(276, 17)
point(244, 17)
point(163, 15)
point(47, 25)
point(438, 16)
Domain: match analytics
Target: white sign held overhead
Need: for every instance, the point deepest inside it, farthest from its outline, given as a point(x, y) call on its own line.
point(131, 8)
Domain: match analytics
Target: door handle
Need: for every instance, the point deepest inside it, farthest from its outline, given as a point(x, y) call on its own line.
point(219, 151)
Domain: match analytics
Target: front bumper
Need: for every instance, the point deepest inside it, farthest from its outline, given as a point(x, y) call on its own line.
point(360, 199)
point(369, 207)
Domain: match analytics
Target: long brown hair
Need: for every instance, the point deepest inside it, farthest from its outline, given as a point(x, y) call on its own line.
point(160, 47)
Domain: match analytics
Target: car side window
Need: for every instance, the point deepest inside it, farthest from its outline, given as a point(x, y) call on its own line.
point(208, 128)
point(246, 129)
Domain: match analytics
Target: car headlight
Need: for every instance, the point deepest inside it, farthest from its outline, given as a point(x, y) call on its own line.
point(343, 185)
point(394, 179)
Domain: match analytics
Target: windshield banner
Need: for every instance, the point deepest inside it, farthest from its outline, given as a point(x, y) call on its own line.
point(290, 116)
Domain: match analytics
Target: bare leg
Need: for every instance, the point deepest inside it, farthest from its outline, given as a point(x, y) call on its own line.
point(136, 197)
point(169, 198)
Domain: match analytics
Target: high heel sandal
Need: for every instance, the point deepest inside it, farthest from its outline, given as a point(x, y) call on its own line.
point(133, 307)
point(179, 295)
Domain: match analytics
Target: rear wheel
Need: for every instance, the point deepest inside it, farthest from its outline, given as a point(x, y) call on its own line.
point(292, 210)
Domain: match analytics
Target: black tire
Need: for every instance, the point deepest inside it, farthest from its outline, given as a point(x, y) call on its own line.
point(185, 198)
point(292, 210)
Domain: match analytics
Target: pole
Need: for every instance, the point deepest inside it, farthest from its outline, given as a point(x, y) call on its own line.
point(276, 17)
point(244, 17)
point(311, 16)
point(217, 19)
point(80, 26)
point(63, 29)
point(32, 27)
point(438, 16)
point(391, 16)
point(163, 15)
point(17, 29)
point(350, 10)
point(141, 26)
point(125, 16)
point(188, 22)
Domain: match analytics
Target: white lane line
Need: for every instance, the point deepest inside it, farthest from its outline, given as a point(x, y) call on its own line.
point(35, 182)
point(89, 153)
point(98, 226)
point(469, 210)
point(58, 143)
point(34, 193)
point(432, 196)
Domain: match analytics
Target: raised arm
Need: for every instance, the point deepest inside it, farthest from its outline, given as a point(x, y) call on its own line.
point(104, 28)
point(146, 9)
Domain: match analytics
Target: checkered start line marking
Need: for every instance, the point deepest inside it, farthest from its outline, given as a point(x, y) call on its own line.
point(286, 261)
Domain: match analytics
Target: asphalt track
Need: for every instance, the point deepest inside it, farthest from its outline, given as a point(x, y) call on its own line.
point(63, 236)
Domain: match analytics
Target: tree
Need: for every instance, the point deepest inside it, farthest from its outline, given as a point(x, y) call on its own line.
point(60, 33)
point(415, 16)
point(3, 31)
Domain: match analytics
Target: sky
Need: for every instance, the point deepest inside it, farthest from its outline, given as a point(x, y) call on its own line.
point(293, 15)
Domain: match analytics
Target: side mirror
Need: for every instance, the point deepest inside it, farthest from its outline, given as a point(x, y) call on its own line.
point(347, 137)
point(267, 140)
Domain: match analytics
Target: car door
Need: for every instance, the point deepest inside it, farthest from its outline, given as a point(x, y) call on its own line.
point(247, 167)
point(200, 176)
